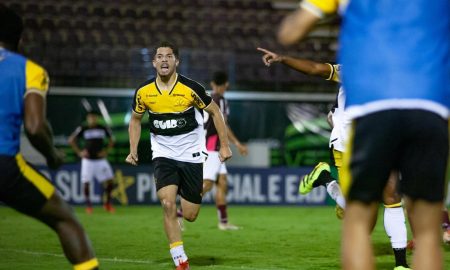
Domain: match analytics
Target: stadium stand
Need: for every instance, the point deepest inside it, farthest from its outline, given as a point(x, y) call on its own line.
point(108, 43)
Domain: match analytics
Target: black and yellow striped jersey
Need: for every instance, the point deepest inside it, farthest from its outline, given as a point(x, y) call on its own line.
point(175, 117)
point(185, 94)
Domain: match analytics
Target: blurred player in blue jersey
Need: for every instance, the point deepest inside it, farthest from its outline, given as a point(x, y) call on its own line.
point(394, 218)
point(396, 59)
point(23, 88)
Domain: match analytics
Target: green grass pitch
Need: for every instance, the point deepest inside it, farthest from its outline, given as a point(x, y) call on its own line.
point(133, 238)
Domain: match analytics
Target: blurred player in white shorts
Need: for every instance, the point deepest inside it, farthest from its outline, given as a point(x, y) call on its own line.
point(213, 168)
point(215, 171)
point(94, 164)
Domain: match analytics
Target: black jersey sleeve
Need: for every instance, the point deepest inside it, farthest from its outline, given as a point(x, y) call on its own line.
point(201, 98)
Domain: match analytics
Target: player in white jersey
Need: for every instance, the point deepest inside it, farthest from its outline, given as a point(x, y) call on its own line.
point(174, 104)
point(394, 219)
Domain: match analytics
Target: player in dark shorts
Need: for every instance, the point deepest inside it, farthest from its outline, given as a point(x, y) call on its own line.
point(93, 157)
point(175, 104)
point(23, 89)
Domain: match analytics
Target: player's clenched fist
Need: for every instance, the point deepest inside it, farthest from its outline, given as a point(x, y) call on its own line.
point(225, 154)
point(132, 159)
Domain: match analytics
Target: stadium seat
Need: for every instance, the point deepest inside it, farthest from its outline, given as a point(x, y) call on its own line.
point(222, 27)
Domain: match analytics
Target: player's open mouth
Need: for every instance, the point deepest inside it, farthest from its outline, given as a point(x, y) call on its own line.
point(165, 67)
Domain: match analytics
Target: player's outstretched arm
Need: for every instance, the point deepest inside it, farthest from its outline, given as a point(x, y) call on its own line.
point(38, 131)
point(134, 132)
point(296, 26)
point(213, 110)
point(302, 65)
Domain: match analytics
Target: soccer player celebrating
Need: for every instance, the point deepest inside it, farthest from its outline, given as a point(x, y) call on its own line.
point(215, 171)
point(394, 218)
point(23, 89)
point(174, 104)
point(93, 157)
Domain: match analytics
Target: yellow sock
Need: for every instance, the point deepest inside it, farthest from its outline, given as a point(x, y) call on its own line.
point(87, 265)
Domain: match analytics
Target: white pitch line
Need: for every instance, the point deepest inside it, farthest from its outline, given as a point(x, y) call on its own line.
point(150, 262)
point(37, 253)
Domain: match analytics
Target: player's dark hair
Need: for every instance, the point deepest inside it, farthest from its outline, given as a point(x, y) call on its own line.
point(94, 112)
point(220, 77)
point(11, 27)
point(167, 44)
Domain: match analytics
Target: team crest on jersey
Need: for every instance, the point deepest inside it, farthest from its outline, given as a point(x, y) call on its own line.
point(179, 102)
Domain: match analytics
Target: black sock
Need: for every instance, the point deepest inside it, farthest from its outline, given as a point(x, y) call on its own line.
point(400, 257)
point(324, 178)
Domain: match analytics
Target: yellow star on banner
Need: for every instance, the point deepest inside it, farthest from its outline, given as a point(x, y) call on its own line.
point(122, 183)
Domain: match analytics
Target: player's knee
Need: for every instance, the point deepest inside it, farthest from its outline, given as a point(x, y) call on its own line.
point(169, 206)
point(56, 212)
point(191, 217)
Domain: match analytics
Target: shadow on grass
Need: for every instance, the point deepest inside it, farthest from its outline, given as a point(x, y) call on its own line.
point(211, 260)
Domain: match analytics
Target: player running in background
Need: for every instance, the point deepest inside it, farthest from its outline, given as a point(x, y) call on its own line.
point(174, 103)
point(215, 171)
point(407, 44)
point(394, 218)
point(23, 90)
point(94, 163)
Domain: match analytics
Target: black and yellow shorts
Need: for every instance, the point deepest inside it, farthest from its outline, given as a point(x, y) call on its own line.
point(187, 176)
point(412, 141)
point(21, 186)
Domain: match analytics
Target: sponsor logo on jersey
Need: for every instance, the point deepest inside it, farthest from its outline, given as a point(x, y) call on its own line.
point(94, 134)
point(171, 123)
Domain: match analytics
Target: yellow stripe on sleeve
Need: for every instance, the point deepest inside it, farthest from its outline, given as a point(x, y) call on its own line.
point(44, 186)
point(326, 6)
point(89, 265)
point(37, 79)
